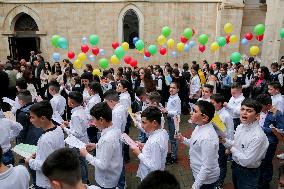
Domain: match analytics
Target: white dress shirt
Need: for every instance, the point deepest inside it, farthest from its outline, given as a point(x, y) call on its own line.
point(125, 99)
point(174, 105)
point(78, 124)
point(95, 99)
point(47, 143)
point(108, 160)
point(228, 121)
point(278, 102)
point(249, 145)
point(194, 85)
point(204, 99)
point(234, 106)
point(86, 95)
point(9, 130)
point(154, 153)
point(58, 104)
point(16, 177)
point(119, 117)
point(203, 152)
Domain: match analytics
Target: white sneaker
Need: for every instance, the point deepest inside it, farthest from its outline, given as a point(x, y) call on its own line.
point(280, 156)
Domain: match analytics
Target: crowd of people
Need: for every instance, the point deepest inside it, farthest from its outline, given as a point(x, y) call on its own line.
point(51, 103)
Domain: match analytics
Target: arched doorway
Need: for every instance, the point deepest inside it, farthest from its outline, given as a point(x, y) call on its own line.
point(25, 38)
point(130, 27)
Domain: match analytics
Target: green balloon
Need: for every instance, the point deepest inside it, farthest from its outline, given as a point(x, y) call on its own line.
point(119, 52)
point(103, 63)
point(282, 33)
point(187, 33)
point(94, 39)
point(259, 29)
point(62, 43)
point(139, 45)
point(235, 57)
point(152, 49)
point(203, 39)
point(166, 31)
point(221, 41)
point(54, 40)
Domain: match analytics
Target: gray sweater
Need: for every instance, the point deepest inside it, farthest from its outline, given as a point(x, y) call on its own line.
point(15, 178)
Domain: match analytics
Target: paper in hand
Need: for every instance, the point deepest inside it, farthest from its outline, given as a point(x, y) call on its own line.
point(24, 150)
point(127, 140)
point(74, 142)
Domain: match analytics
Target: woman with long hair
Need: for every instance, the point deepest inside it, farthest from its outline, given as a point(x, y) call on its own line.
point(146, 80)
point(260, 83)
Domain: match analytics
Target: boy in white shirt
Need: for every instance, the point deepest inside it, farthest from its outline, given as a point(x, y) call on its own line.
point(207, 91)
point(277, 99)
point(51, 140)
point(154, 151)
point(57, 102)
point(108, 160)
point(195, 84)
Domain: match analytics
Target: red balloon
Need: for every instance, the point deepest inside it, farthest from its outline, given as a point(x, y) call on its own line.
point(133, 63)
point(127, 59)
point(259, 37)
point(249, 36)
point(95, 50)
point(163, 50)
point(71, 54)
point(183, 39)
point(228, 39)
point(147, 54)
point(202, 48)
point(115, 45)
point(193, 31)
point(85, 48)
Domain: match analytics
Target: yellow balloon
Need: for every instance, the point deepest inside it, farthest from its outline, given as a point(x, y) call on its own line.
point(254, 50)
point(214, 46)
point(125, 46)
point(228, 28)
point(78, 64)
point(82, 57)
point(161, 39)
point(170, 43)
point(114, 59)
point(141, 51)
point(97, 72)
point(233, 39)
point(180, 46)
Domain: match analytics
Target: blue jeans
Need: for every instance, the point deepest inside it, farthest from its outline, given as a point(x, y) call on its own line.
point(244, 178)
point(173, 141)
point(84, 167)
point(121, 181)
point(8, 158)
point(222, 164)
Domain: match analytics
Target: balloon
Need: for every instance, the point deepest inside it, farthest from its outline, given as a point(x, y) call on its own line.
point(97, 72)
point(174, 54)
point(202, 48)
point(62, 43)
point(127, 59)
point(114, 59)
point(170, 43)
point(183, 39)
point(235, 57)
point(180, 46)
point(254, 50)
point(186, 47)
point(139, 45)
point(249, 36)
point(187, 33)
point(163, 50)
point(203, 39)
point(84, 48)
point(152, 49)
point(82, 57)
point(95, 51)
point(221, 41)
point(161, 40)
point(71, 54)
point(227, 39)
point(125, 46)
point(56, 57)
point(135, 39)
point(141, 51)
point(228, 28)
point(146, 58)
point(192, 44)
point(103, 63)
point(84, 40)
point(94, 39)
point(147, 54)
point(166, 31)
point(78, 64)
point(91, 58)
point(244, 41)
point(115, 45)
point(282, 33)
point(102, 52)
point(259, 29)
point(259, 37)
point(119, 52)
point(233, 39)
point(133, 63)
point(214, 46)
point(54, 40)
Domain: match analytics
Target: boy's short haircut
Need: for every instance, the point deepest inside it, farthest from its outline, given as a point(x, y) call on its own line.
point(125, 84)
point(274, 64)
point(25, 96)
point(140, 91)
point(206, 108)
point(63, 165)
point(152, 113)
point(208, 86)
point(101, 110)
point(155, 97)
point(77, 96)
point(96, 87)
point(159, 180)
point(54, 85)
point(21, 83)
point(111, 94)
point(252, 104)
point(275, 85)
point(264, 99)
point(236, 85)
point(41, 109)
point(177, 84)
point(87, 75)
point(195, 67)
point(176, 72)
point(218, 98)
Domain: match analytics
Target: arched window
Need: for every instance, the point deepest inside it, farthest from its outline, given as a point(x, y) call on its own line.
point(130, 27)
point(25, 23)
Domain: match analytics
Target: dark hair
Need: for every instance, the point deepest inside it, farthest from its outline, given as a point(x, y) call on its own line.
point(218, 98)
point(125, 84)
point(264, 99)
point(159, 180)
point(155, 97)
point(63, 165)
point(21, 83)
point(275, 85)
point(266, 72)
point(274, 64)
point(54, 85)
point(195, 67)
point(185, 66)
point(87, 75)
point(97, 88)
point(42, 108)
point(140, 91)
point(152, 113)
point(236, 85)
point(25, 96)
point(111, 95)
point(210, 87)
point(206, 108)
point(149, 83)
point(252, 104)
point(77, 96)
point(177, 84)
point(101, 110)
